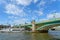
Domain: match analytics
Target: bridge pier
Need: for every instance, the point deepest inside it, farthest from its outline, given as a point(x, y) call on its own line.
point(33, 26)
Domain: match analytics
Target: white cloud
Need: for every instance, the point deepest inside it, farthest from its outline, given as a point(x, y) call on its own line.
point(57, 15)
point(43, 20)
point(35, 1)
point(20, 21)
point(39, 12)
point(22, 2)
point(12, 17)
point(34, 17)
point(53, 15)
point(13, 9)
point(42, 3)
point(49, 16)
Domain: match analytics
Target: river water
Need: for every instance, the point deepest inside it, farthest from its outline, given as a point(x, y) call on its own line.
point(24, 36)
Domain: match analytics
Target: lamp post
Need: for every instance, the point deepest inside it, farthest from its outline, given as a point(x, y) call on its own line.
point(54, 16)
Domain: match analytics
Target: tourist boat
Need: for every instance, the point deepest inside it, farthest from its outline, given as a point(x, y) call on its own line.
point(17, 30)
point(5, 30)
point(12, 30)
point(54, 32)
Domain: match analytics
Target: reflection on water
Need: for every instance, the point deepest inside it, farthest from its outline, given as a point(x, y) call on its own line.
point(24, 36)
point(40, 36)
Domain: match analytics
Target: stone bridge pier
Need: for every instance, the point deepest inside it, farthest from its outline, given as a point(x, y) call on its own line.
point(33, 26)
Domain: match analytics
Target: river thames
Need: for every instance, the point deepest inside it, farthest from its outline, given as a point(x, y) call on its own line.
point(24, 36)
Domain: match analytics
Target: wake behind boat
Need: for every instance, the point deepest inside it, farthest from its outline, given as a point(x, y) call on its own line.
point(54, 32)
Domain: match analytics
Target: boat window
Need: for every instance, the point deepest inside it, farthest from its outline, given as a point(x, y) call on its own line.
point(15, 30)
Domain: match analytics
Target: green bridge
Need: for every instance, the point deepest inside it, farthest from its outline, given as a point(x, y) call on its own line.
point(45, 25)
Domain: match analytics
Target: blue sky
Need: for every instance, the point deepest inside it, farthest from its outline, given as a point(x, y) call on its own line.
point(21, 11)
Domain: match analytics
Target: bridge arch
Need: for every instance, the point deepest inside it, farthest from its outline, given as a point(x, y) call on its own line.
point(47, 26)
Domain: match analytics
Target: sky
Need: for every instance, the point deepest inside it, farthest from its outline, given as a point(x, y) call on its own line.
point(24, 11)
